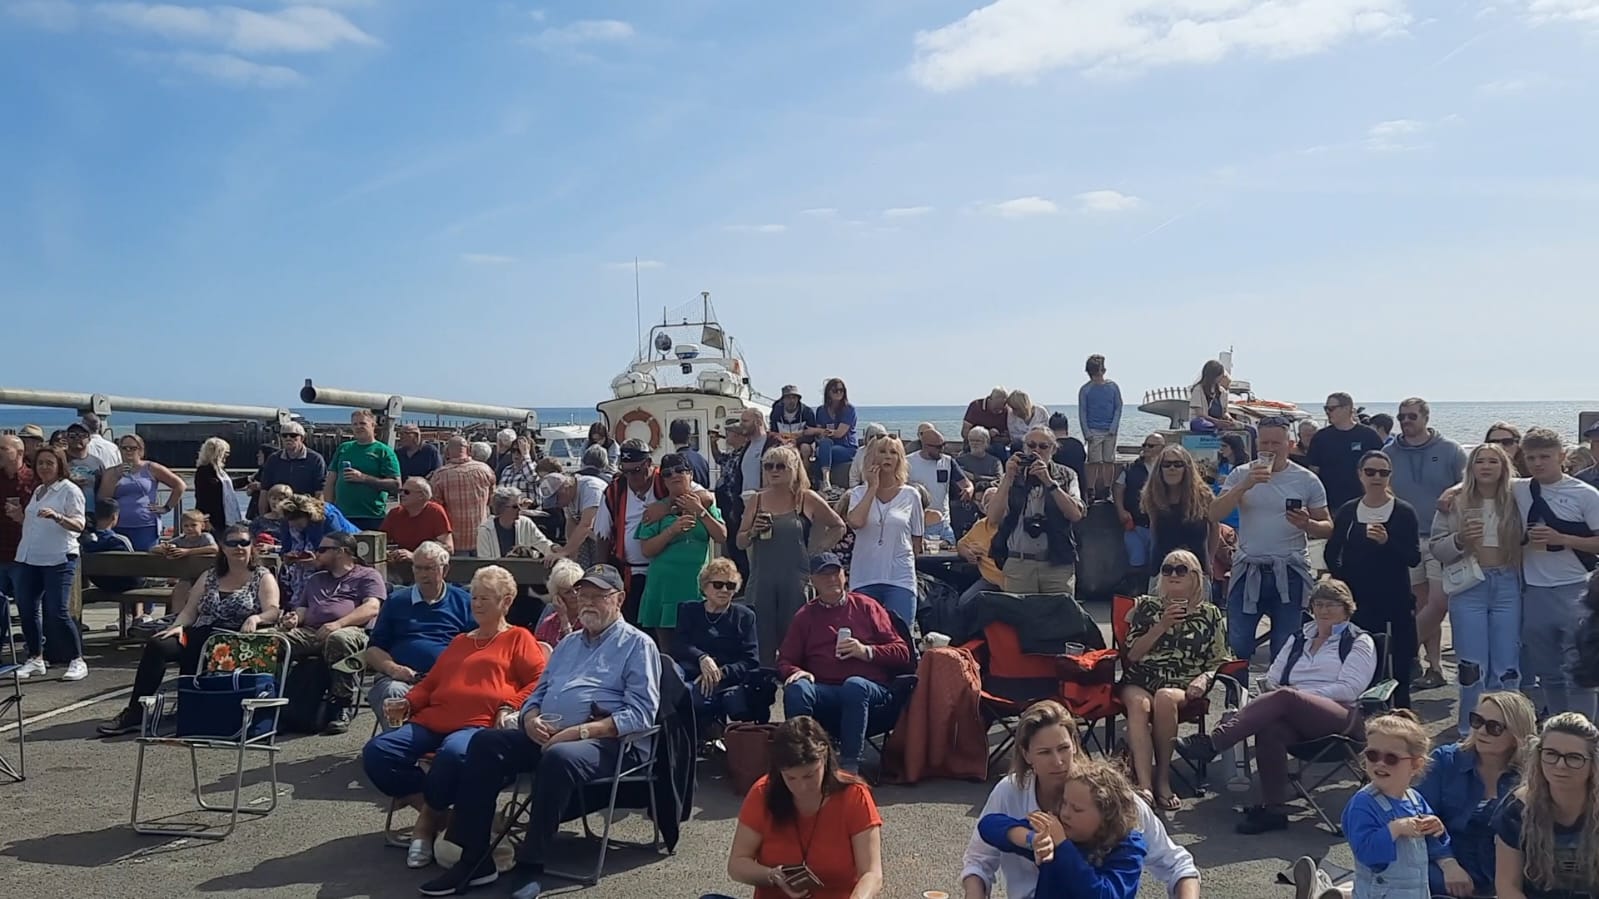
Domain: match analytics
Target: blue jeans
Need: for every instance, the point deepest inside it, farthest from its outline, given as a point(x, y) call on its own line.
point(1486, 622)
point(1139, 542)
point(843, 709)
point(943, 531)
point(1551, 618)
point(390, 761)
point(896, 599)
point(1286, 617)
point(44, 599)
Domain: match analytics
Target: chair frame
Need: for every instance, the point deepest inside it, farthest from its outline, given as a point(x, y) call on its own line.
point(13, 703)
point(631, 767)
point(241, 747)
point(1341, 751)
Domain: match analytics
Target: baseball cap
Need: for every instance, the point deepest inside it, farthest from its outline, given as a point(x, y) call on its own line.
point(33, 431)
point(634, 453)
point(77, 426)
point(791, 390)
point(823, 561)
point(603, 576)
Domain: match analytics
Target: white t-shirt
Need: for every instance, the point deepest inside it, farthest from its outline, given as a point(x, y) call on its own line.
point(883, 552)
point(105, 451)
point(1018, 426)
point(632, 546)
point(1374, 514)
point(935, 475)
point(1570, 500)
point(1263, 528)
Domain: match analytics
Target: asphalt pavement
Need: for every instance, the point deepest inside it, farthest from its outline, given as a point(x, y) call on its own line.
point(64, 832)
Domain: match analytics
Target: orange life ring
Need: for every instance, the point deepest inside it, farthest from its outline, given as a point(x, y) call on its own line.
point(639, 415)
point(1270, 404)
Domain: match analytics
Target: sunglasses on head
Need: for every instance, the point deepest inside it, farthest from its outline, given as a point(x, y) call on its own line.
point(1178, 570)
point(1173, 463)
point(1408, 416)
point(1376, 472)
point(774, 466)
point(1387, 759)
point(723, 585)
point(1554, 758)
point(238, 543)
point(1491, 728)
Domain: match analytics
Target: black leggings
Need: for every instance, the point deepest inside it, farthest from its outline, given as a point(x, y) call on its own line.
point(159, 652)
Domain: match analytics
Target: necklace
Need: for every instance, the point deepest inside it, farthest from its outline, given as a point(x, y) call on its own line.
point(483, 644)
point(712, 618)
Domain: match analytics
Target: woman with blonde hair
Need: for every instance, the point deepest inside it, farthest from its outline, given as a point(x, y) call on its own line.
point(1044, 758)
point(1478, 543)
point(307, 519)
point(1177, 501)
point(1507, 437)
point(133, 485)
point(1175, 641)
point(1023, 415)
point(561, 619)
point(1547, 831)
point(1465, 783)
point(213, 487)
point(716, 649)
point(784, 524)
point(888, 519)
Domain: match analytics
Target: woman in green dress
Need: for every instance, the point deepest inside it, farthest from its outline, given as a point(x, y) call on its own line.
point(1175, 641)
point(678, 547)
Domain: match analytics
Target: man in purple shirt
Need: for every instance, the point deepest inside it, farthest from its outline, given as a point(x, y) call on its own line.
point(329, 617)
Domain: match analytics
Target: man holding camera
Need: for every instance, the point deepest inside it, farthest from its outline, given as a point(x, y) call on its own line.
point(1037, 505)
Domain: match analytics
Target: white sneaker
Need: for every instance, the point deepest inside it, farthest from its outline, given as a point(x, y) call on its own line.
point(76, 670)
point(32, 667)
point(419, 854)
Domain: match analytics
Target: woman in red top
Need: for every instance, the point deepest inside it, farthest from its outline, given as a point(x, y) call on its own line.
point(481, 680)
point(806, 827)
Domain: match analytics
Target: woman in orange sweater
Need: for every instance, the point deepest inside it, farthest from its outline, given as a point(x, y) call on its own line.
point(481, 680)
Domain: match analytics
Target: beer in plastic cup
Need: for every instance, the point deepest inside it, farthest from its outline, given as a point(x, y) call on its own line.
point(395, 710)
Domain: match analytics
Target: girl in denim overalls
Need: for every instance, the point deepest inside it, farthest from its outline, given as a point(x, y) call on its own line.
point(1391, 829)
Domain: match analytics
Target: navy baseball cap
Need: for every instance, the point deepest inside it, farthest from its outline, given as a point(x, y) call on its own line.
point(603, 576)
point(823, 561)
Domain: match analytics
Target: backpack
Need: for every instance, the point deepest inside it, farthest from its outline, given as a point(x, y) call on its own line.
point(1296, 649)
point(306, 689)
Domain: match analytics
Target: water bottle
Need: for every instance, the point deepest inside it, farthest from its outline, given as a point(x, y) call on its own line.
point(1234, 762)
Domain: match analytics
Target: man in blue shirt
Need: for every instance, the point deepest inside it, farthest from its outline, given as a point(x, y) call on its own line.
point(599, 685)
point(414, 626)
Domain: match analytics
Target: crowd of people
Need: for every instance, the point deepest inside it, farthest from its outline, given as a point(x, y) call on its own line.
point(793, 573)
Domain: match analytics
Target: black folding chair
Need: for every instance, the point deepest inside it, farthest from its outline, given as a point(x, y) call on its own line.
point(880, 723)
point(1341, 752)
point(12, 704)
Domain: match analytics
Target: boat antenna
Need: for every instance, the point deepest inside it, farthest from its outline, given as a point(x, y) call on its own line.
point(638, 315)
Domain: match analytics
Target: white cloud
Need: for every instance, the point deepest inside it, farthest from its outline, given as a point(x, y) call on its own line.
point(758, 229)
point(1022, 39)
point(51, 15)
point(236, 70)
point(642, 264)
point(584, 31)
point(1023, 206)
point(820, 212)
point(1395, 135)
point(487, 259)
point(1546, 11)
point(1509, 87)
point(906, 212)
point(1107, 201)
point(295, 29)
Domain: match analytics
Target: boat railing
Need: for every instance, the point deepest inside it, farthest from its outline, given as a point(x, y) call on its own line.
point(1163, 394)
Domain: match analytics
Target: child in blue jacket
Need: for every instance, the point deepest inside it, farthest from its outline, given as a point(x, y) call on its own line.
point(1089, 848)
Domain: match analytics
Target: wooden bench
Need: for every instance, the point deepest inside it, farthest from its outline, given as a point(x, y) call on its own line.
point(137, 565)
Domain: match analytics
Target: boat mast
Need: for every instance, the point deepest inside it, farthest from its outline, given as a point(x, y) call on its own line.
point(638, 315)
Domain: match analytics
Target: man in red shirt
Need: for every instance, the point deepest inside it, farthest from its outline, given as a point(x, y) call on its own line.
point(416, 520)
point(16, 488)
point(840, 678)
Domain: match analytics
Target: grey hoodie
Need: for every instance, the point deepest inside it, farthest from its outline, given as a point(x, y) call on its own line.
point(1422, 473)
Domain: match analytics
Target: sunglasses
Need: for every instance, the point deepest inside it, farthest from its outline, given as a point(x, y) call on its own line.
point(302, 436)
point(1387, 759)
point(1408, 416)
point(1173, 463)
point(1554, 758)
point(1153, 445)
point(236, 544)
point(774, 466)
point(636, 469)
point(673, 472)
point(406, 491)
point(1376, 472)
point(325, 549)
point(1331, 409)
point(1045, 447)
point(1490, 727)
point(835, 390)
point(1505, 441)
point(723, 585)
point(932, 446)
point(129, 447)
point(1175, 570)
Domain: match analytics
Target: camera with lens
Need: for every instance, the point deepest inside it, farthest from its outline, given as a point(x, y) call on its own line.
point(1025, 460)
point(1033, 525)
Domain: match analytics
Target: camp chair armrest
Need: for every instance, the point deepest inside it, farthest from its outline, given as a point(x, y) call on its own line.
point(1233, 688)
point(633, 738)
point(148, 702)
point(1378, 698)
point(253, 704)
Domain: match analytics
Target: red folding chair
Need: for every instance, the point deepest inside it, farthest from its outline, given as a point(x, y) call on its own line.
point(1014, 680)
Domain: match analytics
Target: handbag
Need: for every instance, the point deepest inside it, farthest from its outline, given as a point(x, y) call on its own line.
point(1461, 575)
point(749, 753)
point(209, 705)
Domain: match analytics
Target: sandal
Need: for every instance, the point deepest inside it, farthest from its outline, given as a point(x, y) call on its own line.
point(1168, 802)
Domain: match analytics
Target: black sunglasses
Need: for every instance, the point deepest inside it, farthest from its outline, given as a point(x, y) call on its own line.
point(1408, 416)
point(1331, 409)
point(1376, 472)
point(1491, 728)
point(325, 549)
point(1175, 570)
point(774, 466)
point(1386, 758)
point(1505, 441)
point(1173, 463)
point(1555, 758)
point(723, 585)
point(1045, 447)
point(1153, 445)
point(236, 543)
point(636, 469)
point(671, 472)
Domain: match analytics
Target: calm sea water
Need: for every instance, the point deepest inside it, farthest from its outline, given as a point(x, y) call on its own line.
point(1463, 422)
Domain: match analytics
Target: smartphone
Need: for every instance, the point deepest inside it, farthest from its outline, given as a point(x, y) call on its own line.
point(1294, 505)
point(800, 878)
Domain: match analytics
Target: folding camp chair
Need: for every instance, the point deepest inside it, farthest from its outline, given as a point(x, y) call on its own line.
point(1014, 680)
point(12, 703)
point(1342, 751)
point(224, 652)
point(880, 723)
point(1229, 675)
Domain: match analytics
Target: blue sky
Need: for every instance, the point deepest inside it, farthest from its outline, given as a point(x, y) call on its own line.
point(925, 198)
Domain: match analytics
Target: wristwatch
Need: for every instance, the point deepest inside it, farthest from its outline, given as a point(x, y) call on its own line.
point(582, 731)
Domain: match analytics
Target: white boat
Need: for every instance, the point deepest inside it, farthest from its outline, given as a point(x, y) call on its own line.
point(1171, 403)
point(565, 444)
point(687, 369)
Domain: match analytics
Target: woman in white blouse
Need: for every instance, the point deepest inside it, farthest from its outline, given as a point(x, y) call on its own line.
point(1041, 761)
point(1313, 686)
point(1023, 415)
point(508, 532)
point(47, 557)
point(887, 518)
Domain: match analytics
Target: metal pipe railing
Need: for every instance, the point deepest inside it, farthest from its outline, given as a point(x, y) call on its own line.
point(103, 405)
